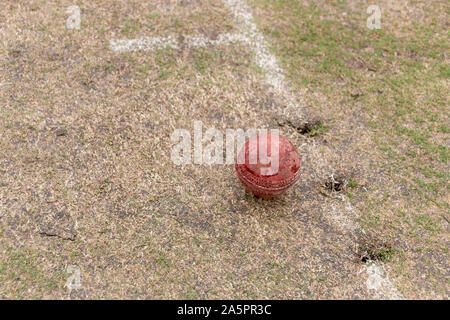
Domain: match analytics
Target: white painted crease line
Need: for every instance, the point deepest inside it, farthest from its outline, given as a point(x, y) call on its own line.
point(144, 43)
point(268, 62)
point(377, 280)
point(255, 39)
point(343, 219)
point(223, 39)
point(169, 42)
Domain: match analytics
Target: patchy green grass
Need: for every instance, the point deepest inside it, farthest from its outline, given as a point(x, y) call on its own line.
point(317, 130)
point(20, 271)
point(404, 81)
point(399, 76)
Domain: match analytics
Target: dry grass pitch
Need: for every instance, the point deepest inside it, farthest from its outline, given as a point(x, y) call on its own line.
point(86, 177)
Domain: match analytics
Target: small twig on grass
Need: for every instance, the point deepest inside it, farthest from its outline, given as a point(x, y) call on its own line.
point(48, 234)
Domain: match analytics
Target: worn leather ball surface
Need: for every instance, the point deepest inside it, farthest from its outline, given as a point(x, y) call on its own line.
point(261, 177)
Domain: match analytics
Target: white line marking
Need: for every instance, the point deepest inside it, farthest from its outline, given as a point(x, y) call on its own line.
point(153, 43)
point(264, 59)
point(144, 43)
point(378, 280)
point(268, 62)
point(275, 77)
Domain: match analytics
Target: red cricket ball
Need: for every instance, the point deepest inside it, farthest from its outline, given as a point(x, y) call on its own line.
point(270, 172)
